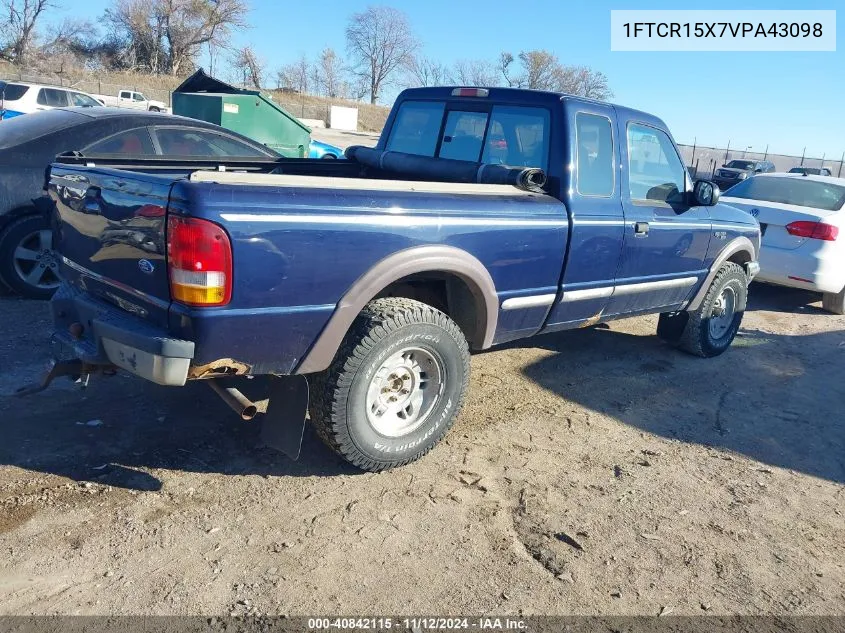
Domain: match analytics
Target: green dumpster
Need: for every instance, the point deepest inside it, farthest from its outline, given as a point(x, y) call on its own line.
point(246, 112)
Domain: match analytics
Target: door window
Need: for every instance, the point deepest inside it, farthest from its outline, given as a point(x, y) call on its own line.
point(82, 100)
point(125, 95)
point(193, 142)
point(594, 137)
point(53, 98)
point(655, 171)
point(138, 96)
point(135, 142)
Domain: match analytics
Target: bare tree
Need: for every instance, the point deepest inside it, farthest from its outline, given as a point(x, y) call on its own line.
point(249, 67)
point(424, 71)
point(18, 27)
point(593, 84)
point(166, 36)
point(542, 70)
point(381, 42)
point(539, 70)
point(295, 76)
point(474, 72)
point(330, 73)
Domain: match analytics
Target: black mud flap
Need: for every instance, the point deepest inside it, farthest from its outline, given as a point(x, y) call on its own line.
point(283, 424)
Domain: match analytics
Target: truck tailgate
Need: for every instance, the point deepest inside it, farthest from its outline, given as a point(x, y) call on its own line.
point(110, 233)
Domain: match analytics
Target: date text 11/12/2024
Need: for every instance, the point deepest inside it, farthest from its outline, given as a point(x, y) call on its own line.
point(417, 624)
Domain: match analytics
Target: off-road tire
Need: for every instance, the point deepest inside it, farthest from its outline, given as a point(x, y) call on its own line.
point(337, 407)
point(834, 302)
point(696, 338)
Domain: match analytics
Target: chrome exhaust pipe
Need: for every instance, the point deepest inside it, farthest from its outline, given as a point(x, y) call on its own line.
point(237, 401)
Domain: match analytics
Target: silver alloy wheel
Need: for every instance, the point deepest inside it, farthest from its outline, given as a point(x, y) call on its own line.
point(35, 262)
point(723, 312)
point(404, 391)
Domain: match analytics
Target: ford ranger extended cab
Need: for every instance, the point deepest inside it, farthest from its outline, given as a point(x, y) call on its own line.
point(367, 281)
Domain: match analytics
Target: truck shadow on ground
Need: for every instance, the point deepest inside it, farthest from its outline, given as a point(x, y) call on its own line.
point(774, 398)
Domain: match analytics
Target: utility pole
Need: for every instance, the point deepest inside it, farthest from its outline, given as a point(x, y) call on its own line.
point(841, 160)
point(823, 155)
point(802, 156)
point(766, 153)
point(727, 149)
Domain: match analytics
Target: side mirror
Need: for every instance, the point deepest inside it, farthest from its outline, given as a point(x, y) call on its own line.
point(705, 193)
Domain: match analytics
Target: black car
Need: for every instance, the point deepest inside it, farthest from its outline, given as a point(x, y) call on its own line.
point(29, 143)
point(738, 170)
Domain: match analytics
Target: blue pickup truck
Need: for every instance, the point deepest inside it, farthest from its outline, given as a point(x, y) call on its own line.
point(367, 285)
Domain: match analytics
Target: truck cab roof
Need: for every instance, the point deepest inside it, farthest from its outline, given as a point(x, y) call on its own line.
point(522, 96)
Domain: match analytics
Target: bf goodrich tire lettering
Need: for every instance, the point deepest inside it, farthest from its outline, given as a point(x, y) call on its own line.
point(401, 359)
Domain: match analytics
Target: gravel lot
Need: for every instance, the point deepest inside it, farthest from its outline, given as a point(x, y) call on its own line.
point(596, 471)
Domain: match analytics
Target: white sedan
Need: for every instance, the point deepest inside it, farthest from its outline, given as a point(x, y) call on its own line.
point(802, 220)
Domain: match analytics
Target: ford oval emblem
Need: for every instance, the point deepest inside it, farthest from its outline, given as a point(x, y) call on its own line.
point(146, 266)
point(755, 212)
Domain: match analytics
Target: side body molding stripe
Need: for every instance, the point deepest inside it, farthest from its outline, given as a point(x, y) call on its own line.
point(420, 259)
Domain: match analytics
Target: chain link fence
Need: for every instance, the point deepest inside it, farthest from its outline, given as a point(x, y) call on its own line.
point(703, 161)
point(149, 86)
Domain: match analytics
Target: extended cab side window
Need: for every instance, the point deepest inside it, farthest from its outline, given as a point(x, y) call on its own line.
point(594, 139)
point(416, 127)
point(655, 171)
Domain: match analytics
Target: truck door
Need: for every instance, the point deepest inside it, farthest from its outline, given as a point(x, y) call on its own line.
point(666, 239)
point(592, 195)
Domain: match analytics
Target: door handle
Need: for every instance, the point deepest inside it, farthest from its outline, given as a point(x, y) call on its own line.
point(640, 229)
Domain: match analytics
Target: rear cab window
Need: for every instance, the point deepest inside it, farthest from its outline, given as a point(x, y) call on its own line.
point(517, 136)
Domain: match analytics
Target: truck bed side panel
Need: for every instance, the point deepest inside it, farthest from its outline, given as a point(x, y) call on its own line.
point(298, 250)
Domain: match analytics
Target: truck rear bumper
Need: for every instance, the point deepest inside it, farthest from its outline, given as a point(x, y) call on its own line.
point(100, 334)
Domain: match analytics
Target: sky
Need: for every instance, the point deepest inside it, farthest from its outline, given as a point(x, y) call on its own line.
point(785, 100)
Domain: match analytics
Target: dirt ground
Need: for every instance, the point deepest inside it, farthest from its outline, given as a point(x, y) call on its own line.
point(592, 472)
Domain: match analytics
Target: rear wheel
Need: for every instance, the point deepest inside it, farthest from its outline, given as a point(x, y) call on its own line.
point(395, 386)
point(28, 264)
point(711, 328)
point(834, 302)
point(155, 109)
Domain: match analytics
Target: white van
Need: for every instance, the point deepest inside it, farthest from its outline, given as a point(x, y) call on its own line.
point(21, 97)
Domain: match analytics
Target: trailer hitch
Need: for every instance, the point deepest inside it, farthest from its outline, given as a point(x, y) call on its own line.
point(74, 368)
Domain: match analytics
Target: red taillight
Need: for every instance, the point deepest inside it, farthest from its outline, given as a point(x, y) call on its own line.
point(813, 230)
point(470, 92)
point(199, 258)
